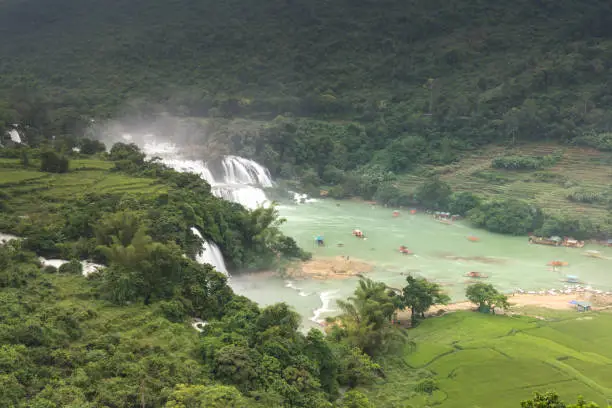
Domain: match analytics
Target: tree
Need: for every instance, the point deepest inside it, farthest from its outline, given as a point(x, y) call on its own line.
point(202, 396)
point(551, 400)
point(355, 399)
point(433, 193)
point(507, 216)
point(486, 297)
point(420, 294)
point(52, 162)
point(366, 317)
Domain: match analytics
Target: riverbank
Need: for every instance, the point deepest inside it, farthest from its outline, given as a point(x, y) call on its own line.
point(339, 267)
point(558, 301)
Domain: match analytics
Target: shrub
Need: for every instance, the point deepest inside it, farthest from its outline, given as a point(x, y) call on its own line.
point(510, 216)
point(599, 141)
point(524, 162)
point(49, 269)
point(89, 146)
point(581, 195)
point(52, 162)
point(462, 202)
point(73, 267)
point(433, 193)
point(427, 386)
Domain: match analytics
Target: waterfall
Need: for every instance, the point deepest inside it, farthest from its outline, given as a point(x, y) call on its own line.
point(238, 179)
point(238, 170)
point(210, 253)
point(15, 136)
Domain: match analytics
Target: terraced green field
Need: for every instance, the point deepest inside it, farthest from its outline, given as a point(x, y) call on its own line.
point(578, 168)
point(482, 361)
point(26, 186)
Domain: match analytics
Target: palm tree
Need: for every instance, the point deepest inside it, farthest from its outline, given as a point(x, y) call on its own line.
point(366, 317)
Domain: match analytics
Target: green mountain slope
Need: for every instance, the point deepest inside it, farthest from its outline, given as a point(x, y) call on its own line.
point(478, 51)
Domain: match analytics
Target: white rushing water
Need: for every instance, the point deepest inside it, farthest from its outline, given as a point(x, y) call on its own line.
point(15, 136)
point(210, 254)
point(88, 267)
point(238, 179)
point(326, 299)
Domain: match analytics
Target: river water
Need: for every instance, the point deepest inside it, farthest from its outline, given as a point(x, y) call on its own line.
point(510, 262)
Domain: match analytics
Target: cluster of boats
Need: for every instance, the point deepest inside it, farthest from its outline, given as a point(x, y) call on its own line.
point(556, 241)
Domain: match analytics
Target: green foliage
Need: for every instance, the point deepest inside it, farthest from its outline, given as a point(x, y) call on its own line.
point(419, 295)
point(461, 203)
point(51, 162)
point(88, 146)
point(551, 400)
point(433, 193)
point(486, 297)
point(73, 267)
point(582, 195)
point(355, 399)
point(506, 216)
point(200, 396)
point(365, 321)
point(600, 141)
point(524, 162)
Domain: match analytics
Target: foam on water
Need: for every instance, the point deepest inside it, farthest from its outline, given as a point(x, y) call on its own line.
point(326, 298)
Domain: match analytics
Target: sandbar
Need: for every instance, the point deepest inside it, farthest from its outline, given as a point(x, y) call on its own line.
point(329, 268)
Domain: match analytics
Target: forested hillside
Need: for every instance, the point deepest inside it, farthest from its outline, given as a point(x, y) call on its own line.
point(340, 95)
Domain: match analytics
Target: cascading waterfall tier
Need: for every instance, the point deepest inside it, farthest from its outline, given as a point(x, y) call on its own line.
point(240, 181)
point(237, 179)
point(15, 136)
point(210, 253)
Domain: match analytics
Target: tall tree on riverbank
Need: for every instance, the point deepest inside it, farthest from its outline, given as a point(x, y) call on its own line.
point(486, 297)
point(419, 295)
point(365, 321)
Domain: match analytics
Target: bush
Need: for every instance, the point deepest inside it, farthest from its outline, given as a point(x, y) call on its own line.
point(461, 203)
point(433, 193)
point(599, 141)
point(427, 386)
point(524, 162)
point(89, 146)
point(581, 195)
point(49, 269)
point(73, 267)
point(52, 162)
point(506, 216)
point(388, 194)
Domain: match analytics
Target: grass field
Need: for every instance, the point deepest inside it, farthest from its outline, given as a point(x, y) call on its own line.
point(483, 361)
point(579, 167)
point(85, 176)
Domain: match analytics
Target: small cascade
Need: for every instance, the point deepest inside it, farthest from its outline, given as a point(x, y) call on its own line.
point(237, 179)
point(15, 136)
point(210, 254)
point(238, 170)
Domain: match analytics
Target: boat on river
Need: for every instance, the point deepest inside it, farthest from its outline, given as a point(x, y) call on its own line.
point(572, 243)
point(572, 279)
point(558, 263)
point(552, 241)
point(476, 275)
point(595, 254)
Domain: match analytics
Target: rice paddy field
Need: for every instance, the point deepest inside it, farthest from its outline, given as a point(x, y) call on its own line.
point(28, 186)
point(481, 361)
point(583, 168)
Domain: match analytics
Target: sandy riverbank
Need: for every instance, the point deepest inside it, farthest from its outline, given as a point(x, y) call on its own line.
point(518, 301)
point(329, 268)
